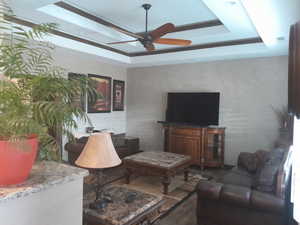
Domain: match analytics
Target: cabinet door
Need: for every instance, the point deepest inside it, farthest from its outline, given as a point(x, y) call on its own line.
point(214, 149)
point(187, 146)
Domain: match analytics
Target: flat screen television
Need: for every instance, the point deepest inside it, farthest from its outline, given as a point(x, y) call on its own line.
point(193, 108)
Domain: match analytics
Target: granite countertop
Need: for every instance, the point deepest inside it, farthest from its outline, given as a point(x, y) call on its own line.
point(44, 175)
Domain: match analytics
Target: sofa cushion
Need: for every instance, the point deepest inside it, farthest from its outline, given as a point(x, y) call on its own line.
point(262, 157)
point(252, 162)
point(265, 179)
point(238, 177)
point(118, 139)
point(248, 161)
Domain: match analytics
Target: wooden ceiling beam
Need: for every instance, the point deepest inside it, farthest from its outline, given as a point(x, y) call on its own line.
point(200, 46)
point(89, 16)
point(193, 26)
point(66, 35)
point(143, 53)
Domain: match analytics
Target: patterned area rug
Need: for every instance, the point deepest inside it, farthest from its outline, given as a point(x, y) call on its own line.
point(179, 190)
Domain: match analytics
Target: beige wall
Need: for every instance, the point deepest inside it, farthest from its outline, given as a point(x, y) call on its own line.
point(79, 62)
point(249, 88)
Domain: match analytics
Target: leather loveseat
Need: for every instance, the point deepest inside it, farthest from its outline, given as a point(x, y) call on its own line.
point(255, 193)
point(124, 146)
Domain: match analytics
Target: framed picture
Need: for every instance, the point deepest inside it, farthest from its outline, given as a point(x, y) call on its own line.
point(80, 100)
point(103, 86)
point(118, 95)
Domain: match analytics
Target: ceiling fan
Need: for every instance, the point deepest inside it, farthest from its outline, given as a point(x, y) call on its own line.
point(154, 36)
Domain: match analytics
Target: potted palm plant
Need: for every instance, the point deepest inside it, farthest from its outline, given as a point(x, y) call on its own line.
point(36, 100)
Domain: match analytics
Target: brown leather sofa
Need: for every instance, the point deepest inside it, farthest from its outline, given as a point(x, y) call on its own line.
point(123, 144)
point(255, 193)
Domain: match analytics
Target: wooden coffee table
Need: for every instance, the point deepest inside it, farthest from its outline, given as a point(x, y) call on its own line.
point(143, 208)
point(163, 164)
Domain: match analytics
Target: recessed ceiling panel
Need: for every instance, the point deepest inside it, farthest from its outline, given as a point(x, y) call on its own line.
point(129, 13)
point(230, 23)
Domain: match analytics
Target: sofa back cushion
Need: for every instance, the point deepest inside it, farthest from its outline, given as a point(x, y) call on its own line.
point(82, 140)
point(266, 176)
point(117, 139)
point(253, 162)
point(247, 161)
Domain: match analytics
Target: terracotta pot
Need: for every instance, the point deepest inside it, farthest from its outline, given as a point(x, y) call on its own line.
point(17, 159)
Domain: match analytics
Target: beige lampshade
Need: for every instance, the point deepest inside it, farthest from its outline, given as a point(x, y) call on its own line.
point(99, 152)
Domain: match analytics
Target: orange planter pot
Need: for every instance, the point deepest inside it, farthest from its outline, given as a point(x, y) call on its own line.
point(17, 159)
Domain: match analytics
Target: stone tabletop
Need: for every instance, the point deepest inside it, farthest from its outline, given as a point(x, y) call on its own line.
point(44, 175)
point(161, 159)
point(121, 211)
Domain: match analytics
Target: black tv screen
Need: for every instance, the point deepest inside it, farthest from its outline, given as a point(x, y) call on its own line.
point(193, 108)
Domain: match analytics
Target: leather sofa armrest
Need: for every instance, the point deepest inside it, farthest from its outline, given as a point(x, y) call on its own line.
point(240, 196)
point(74, 147)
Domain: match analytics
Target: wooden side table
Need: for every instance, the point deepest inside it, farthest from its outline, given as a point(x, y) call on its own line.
point(128, 207)
point(163, 164)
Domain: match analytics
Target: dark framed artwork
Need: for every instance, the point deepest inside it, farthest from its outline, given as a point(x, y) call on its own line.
point(80, 100)
point(118, 95)
point(103, 86)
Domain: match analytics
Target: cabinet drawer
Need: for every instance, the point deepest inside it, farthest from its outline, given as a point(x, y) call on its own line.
point(187, 131)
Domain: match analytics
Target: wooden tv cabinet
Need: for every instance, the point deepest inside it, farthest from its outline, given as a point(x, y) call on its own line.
point(204, 144)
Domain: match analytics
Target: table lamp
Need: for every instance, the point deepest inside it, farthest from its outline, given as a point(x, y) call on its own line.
point(98, 153)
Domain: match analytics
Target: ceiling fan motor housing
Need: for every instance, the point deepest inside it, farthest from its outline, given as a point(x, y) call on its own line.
point(146, 6)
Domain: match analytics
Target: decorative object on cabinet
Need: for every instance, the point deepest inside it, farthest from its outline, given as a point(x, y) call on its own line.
point(98, 153)
point(205, 145)
point(103, 86)
point(118, 95)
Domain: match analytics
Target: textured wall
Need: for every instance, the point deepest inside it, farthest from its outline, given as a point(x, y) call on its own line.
point(79, 62)
point(249, 88)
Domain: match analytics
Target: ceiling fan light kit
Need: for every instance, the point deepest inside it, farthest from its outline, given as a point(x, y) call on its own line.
point(154, 36)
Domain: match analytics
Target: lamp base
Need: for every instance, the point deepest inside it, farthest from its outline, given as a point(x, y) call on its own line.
point(102, 199)
point(100, 204)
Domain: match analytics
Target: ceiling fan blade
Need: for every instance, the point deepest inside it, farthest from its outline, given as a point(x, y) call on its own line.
point(150, 47)
point(171, 41)
point(162, 30)
point(120, 42)
point(128, 33)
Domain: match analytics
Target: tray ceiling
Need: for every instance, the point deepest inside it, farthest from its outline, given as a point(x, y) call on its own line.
point(238, 27)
